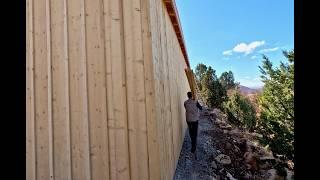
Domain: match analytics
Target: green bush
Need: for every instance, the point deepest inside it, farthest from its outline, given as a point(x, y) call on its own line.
point(240, 111)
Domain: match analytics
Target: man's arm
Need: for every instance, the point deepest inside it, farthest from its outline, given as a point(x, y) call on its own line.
point(199, 106)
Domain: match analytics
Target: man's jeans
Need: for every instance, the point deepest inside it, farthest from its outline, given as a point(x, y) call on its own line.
point(193, 132)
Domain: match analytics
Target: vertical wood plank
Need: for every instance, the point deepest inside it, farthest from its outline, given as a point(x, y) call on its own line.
point(98, 132)
point(49, 80)
point(172, 89)
point(135, 89)
point(128, 26)
point(108, 74)
point(163, 90)
point(156, 60)
point(152, 137)
point(105, 35)
point(167, 96)
point(140, 95)
point(41, 90)
point(78, 86)
point(118, 125)
point(60, 90)
point(30, 110)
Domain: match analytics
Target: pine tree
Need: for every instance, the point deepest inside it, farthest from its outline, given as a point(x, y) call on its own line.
point(211, 90)
point(277, 105)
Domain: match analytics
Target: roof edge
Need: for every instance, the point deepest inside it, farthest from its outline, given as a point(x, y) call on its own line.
point(175, 20)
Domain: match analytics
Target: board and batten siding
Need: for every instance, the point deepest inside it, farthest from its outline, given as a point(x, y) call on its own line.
point(105, 90)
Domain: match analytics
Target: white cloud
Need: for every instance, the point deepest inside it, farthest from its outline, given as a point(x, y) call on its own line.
point(227, 53)
point(247, 48)
point(253, 57)
point(244, 48)
point(269, 50)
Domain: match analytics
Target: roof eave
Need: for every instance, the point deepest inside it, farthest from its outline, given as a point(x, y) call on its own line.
point(175, 20)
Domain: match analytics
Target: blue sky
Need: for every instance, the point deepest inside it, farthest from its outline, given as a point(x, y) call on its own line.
point(232, 34)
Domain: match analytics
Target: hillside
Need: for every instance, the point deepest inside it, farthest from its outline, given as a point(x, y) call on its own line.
point(226, 152)
point(252, 95)
point(246, 90)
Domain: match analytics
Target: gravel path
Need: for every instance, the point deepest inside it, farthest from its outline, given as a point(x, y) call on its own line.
point(202, 168)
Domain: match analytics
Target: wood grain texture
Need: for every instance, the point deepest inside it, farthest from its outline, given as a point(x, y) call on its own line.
point(105, 90)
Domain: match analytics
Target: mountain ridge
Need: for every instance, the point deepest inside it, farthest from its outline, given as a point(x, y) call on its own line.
point(247, 90)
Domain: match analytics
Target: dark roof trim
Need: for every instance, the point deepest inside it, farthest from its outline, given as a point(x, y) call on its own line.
point(174, 16)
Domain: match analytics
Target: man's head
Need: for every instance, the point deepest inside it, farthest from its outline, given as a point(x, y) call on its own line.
point(189, 95)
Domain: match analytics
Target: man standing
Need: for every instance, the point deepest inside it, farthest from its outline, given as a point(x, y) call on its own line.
point(192, 117)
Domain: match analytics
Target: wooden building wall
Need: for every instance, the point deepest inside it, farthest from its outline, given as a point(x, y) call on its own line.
point(171, 87)
point(105, 90)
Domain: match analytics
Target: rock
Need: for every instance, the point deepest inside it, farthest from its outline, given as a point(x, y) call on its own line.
point(290, 164)
point(213, 178)
point(221, 170)
point(218, 121)
point(266, 158)
point(214, 165)
point(264, 166)
point(234, 131)
point(228, 146)
point(219, 130)
point(289, 174)
point(257, 135)
point(230, 176)
point(247, 176)
point(223, 159)
point(247, 155)
point(236, 149)
point(266, 161)
point(217, 110)
point(209, 109)
point(281, 171)
point(271, 174)
point(251, 160)
point(213, 115)
point(262, 153)
point(249, 144)
point(227, 126)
